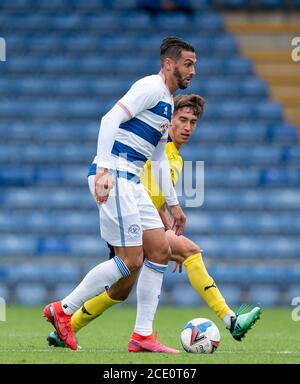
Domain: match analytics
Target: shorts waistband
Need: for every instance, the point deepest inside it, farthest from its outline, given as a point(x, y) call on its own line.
point(124, 174)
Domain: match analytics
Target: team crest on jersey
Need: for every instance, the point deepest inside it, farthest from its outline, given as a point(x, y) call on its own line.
point(163, 127)
point(134, 230)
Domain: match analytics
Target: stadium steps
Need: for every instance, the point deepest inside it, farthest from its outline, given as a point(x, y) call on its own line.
point(268, 43)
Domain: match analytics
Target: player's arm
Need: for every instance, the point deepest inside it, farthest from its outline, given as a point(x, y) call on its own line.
point(161, 171)
point(168, 223)
point(106, 137)
point(165, 216)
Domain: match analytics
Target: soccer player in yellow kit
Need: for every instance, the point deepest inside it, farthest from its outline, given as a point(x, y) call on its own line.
point(187, 110)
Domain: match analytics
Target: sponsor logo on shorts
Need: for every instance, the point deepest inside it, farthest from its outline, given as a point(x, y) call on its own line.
point(134, 230)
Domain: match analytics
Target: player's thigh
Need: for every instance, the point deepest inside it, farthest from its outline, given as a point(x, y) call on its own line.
point(120, 221)
point(156, 246)
point(181, 245)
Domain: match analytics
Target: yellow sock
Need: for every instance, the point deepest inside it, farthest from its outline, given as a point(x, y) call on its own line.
point(205, 285)
point(92, 309)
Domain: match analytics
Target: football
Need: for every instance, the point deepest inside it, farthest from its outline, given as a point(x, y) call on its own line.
point(200, 336)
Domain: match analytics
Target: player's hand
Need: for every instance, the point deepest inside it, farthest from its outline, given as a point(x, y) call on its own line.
point(165, 216)
point(178, 263)
point(104, 182)
point(179, 219)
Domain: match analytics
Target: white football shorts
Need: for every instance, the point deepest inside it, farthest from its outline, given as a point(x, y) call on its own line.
point(127, 212)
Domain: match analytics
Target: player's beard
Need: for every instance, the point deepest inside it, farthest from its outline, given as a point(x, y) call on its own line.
point(180, 79)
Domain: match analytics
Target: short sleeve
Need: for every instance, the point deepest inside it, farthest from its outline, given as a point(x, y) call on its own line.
point(141, 96)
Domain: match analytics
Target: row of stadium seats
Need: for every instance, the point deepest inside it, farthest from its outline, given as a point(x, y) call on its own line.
point(52, 273)
point(61, 154)
point(56, 223)
point(226, 246)
point(249, 87)
point(258, 4)
point(233, 66)
point(30, 198)
point(83, 5)
point(243, 111)
point(264, 295)
point(111, 22)
point(100, 5)
point(242, 133)
point(126, 44)
point(213, 177)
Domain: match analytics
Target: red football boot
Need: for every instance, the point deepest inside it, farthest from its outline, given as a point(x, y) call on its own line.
point(61, 322)
point(138, 343)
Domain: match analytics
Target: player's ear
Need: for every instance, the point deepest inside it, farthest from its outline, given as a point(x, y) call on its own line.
point(168, 64)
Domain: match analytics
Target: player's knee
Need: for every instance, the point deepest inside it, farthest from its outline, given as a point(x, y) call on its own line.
point(165, 254)
point(161, 254)
point(190, 249)
point(135, 264)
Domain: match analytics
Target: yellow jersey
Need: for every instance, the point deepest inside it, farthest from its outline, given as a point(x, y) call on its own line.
point(148, 179)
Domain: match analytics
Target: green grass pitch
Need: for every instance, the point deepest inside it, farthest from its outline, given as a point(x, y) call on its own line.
point(274, 339)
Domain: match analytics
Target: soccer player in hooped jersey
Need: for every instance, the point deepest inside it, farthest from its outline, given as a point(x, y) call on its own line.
point(187, 110)
point(133, 131)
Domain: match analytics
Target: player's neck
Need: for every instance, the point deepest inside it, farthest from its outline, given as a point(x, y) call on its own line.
point(177, 145)
point(171, 86)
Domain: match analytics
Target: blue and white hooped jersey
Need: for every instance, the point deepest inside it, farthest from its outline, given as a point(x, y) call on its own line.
point(149, 105)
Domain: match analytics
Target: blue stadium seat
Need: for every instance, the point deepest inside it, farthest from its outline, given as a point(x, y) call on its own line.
point(231, 293)
point(183, 295)
point(247, 246)
point(169, 21)
point(61, 290)
point(52, 246)
point(35, 199)
point(272, 3)
point(85, 246)
point(62, 272)
point(16, 245)
point(31, 294)
point(264, 295)
point(209, 22)
point(201, 4)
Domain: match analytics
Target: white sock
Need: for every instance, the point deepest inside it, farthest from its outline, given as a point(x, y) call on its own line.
point(227, 319)
point(148, 291)
point(97, 280)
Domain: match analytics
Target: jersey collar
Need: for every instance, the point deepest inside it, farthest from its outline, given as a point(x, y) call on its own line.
point(164, 81)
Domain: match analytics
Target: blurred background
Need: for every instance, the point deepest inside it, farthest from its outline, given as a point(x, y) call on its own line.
point(68, 61)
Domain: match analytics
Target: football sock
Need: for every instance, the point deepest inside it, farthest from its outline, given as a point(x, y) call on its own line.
point(205, 286)
point(97, 280)
point(228, 319)
point(92, 309)
point(148, 291)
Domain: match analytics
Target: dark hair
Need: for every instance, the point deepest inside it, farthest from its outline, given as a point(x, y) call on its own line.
point(195, 102)
point(172, 47)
